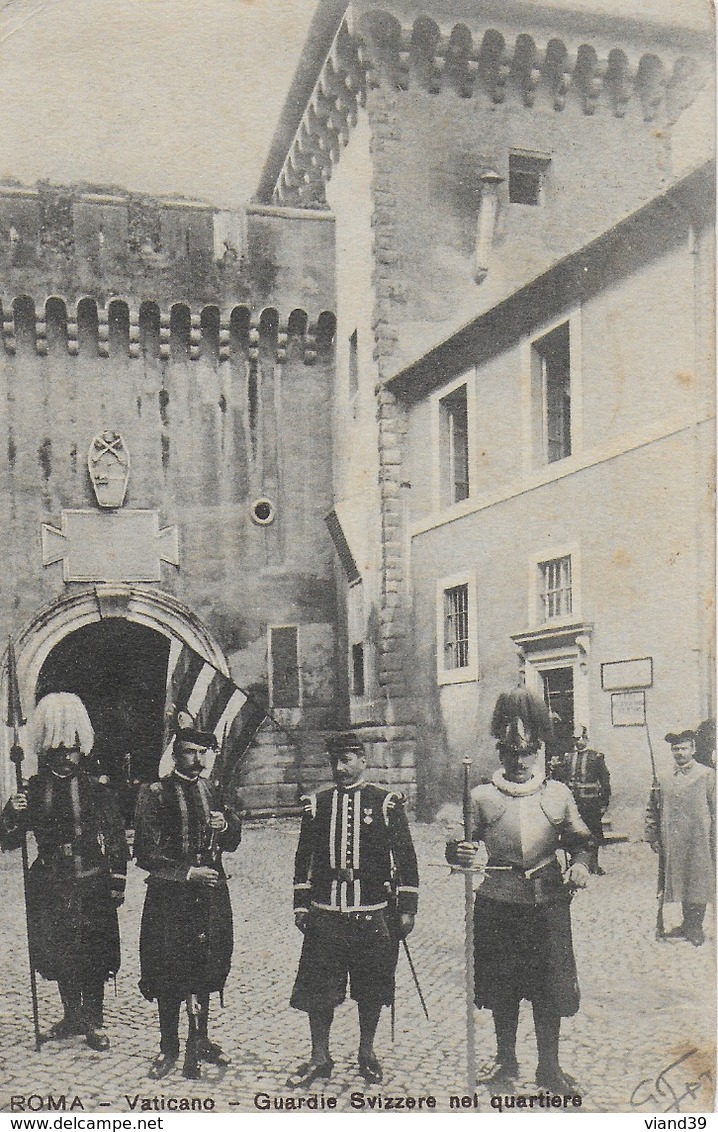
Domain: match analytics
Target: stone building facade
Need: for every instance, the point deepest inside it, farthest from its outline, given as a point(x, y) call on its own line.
point(198, 345)
point(466, 152)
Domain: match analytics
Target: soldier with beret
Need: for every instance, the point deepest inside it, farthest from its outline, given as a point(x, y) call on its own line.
point(77, 882)
point(680, 820)
point(186, 936)
point(355, 896)
point(522, 923)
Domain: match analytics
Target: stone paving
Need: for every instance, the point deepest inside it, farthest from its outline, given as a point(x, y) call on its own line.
point(645, 1005)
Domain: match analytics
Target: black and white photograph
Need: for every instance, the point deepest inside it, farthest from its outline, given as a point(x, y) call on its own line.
point(357, 607)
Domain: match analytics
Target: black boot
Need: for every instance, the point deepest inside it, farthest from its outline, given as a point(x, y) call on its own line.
point(693, 915)
point(71, 1023)
point(549, 1074)
point(93, 997)
point(503, 1073)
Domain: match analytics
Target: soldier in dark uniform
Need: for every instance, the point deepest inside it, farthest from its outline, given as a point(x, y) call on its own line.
point(355, 895)
point(522, 924)
point(77, 882)
point(585, 773)
point(186, 935)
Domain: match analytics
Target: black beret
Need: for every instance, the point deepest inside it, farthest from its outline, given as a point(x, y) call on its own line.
point(680, 737)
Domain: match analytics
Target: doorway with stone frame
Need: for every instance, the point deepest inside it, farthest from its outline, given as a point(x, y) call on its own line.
point(110, 645)
point(118, 668)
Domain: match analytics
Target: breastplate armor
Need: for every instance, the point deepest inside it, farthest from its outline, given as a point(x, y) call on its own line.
point(521, 826)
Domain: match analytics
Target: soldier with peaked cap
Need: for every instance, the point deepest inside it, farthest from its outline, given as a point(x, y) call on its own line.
point(77, 882)
point(522, 925)
point(186, 937)
point(355, 895)
point(585, 773)
point(681, 818)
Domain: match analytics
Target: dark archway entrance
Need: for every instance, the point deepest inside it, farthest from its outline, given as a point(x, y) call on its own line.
point(119, 670)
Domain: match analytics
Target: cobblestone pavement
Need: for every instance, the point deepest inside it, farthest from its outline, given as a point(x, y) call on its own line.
point(645, 1005)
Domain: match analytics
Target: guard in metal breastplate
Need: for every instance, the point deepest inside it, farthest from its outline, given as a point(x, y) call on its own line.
point(355, 896)
point(522, 925)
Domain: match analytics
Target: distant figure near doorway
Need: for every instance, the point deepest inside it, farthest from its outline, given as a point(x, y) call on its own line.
point(585, 773)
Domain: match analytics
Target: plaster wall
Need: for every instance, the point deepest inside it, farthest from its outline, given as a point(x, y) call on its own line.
point(601, 168)
point(638, 556)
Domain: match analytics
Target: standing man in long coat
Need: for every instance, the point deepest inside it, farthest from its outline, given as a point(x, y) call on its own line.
point(77, 882)
point(186, 939)
point(522, 923)
point(681, 820)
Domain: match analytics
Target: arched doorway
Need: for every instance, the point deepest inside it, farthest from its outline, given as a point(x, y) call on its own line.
point(50, 650)
point(118, 669)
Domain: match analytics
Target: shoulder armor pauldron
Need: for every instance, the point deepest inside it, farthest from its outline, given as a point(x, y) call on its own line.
point(554, 797)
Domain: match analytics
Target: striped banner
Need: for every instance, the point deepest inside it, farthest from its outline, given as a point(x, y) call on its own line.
point(215, 703)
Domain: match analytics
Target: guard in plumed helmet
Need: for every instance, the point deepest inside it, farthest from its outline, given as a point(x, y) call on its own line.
point(77, 882)
point(522, 925)
point(186, 939)
point(355, 896)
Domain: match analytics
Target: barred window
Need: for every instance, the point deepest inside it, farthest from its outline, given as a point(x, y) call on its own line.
point(456, 627)
point(556, 587)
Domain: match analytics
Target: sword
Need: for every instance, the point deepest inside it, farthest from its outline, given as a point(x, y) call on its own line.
point(415, 977)
point(469, 938)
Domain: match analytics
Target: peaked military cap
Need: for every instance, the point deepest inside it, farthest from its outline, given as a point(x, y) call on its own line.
point(344, 741)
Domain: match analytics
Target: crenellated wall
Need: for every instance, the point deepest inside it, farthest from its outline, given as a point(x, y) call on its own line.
point(220, 384)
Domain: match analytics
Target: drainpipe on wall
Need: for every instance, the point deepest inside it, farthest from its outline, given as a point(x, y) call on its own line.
point(486, 222)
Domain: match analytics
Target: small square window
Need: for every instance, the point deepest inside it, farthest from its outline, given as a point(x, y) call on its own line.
point(526, 177)
point(555, 588)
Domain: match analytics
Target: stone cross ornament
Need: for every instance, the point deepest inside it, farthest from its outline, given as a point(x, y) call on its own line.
point(108, 462)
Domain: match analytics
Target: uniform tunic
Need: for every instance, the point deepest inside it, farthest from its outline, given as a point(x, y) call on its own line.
point(355, 858)
point(683, 810)
point(186, 936)
point(522, 926)
point(587, 777)
point(81, 863)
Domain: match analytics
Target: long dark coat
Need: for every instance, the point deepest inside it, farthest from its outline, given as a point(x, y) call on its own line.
point(186, 937)
point(81, 863)
point(682, 815)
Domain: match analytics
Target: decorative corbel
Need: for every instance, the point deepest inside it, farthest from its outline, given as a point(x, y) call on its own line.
point(41, 335)
point(134, 332)
point(486, 222)
point(8, 328)
point(103, 332)
point(165, 333)
point(73, 343)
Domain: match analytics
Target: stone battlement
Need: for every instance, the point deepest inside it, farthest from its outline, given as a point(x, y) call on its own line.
point(79, 242)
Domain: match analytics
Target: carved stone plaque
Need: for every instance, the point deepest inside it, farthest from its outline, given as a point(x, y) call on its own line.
point(110, 546)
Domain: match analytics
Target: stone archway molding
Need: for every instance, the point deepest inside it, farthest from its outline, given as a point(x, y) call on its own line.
point(154, 608)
